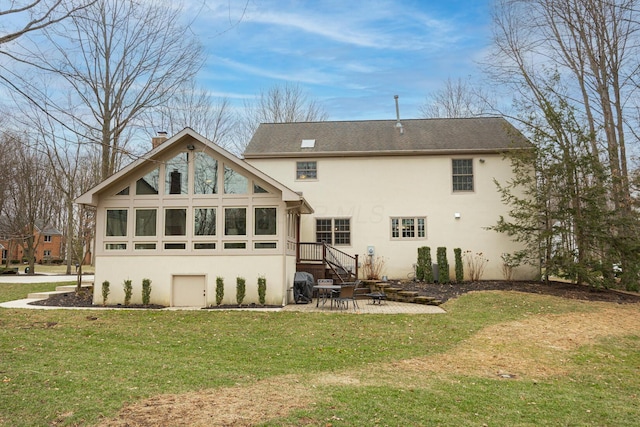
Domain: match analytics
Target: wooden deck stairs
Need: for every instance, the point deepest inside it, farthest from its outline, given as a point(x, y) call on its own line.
point(326, 262)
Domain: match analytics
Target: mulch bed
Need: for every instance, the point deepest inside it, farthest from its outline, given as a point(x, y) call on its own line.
point(83, 299)
point(443, 292)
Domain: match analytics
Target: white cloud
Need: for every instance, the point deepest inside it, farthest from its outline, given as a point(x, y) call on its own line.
point(309, 76)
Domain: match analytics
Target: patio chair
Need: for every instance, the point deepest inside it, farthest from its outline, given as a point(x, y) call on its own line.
point(360, 291)
point(347, 293)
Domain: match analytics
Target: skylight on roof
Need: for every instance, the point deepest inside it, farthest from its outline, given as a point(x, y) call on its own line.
point(308, 143)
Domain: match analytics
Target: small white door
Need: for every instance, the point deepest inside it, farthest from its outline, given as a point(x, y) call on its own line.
point(188, 291)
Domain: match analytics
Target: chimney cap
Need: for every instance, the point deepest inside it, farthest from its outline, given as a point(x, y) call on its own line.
point(159, 139)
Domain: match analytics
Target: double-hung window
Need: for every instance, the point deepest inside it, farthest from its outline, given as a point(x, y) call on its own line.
point(462, 175)
point(334, 231)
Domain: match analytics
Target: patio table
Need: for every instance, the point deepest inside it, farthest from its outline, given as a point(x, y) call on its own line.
point(325, 290)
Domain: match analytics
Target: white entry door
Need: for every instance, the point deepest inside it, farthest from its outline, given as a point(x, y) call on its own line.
point(188, 291)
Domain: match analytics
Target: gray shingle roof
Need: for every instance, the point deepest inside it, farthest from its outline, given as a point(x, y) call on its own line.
point(382, 137)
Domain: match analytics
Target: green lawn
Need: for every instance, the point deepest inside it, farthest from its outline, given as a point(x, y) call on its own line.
point(74, 367)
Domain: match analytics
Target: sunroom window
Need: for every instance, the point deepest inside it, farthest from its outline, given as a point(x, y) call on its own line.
point(176, 175)
point(149, 183)
point(265, 221)
point(234, 183)
point(204, 221)
point(235, 221)
point(175, 222)
point(145, 222)
point(205, 174)
point(116, 222)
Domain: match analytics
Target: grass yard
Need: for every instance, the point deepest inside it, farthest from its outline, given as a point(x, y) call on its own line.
point(53, 268)
point(496, 359)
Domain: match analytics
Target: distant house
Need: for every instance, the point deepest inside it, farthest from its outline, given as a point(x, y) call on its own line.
point(48, 245)
point(189, 212)
point(381, 189)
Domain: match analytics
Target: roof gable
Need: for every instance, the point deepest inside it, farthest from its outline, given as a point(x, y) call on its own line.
point(186, 137)
point(385, 137)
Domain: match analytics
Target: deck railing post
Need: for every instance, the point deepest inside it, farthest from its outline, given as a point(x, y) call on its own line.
point(356, 257)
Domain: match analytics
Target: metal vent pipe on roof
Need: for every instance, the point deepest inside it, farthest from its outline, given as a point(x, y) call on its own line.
point(398, 124)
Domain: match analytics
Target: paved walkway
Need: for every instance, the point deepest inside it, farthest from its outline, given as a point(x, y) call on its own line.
point(364, 306)
point(42, 278)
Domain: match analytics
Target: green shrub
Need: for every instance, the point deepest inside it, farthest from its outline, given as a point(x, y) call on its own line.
point(459, 266)
point(240, 290)
point(424, 269)
point(127, 291)
point(443, 265)
point(146, 291)
point(105, 292)
point(262, 289)
point(219, 290)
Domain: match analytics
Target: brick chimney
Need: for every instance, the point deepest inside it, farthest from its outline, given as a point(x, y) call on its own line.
point(159, 139)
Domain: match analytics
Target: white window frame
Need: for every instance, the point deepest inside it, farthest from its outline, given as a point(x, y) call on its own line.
point(399, 230)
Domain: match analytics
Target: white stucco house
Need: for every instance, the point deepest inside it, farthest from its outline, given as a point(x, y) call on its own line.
point(388, 187)
point(314, 197)
point(186, 213)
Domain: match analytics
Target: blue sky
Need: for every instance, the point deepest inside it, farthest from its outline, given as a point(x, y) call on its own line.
point(351, 56)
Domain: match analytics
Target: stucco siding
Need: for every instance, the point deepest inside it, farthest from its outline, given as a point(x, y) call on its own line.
point(371, 191)
point(161, 269)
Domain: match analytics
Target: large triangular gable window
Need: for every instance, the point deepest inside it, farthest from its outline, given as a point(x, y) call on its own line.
point(176, 173)
point(123, 192)
point(205, 174)
point(258, 189)
point(149, 183)
point(234, 182)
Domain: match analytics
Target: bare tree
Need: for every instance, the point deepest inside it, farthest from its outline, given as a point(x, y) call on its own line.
point(31, 201)
point(584, 53)
point(280, 104)
point(22, 17)
point(73, 171)
point(6, 154)
point(457, 99)
point(194, 107)
point(115, 59)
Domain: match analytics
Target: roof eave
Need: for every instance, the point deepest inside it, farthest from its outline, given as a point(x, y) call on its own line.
point(91, 197)
point(382, 153)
